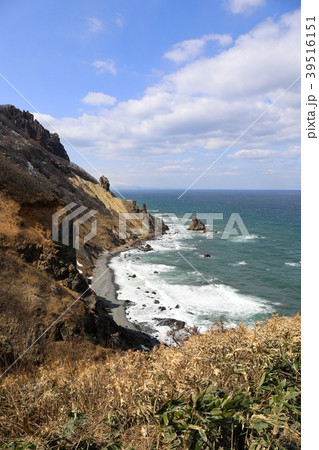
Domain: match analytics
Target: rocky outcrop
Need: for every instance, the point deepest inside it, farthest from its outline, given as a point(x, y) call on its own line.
point(196, 225)
point(145, 248)
point(172, 323)
point(104, 330)
point(56, 260)
point(25, 123)
point(104, 182)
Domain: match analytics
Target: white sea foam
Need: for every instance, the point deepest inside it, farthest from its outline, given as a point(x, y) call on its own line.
point(292, 264)
point(240, 263)
point(174, 239)
point(248, 237)
point(195, 305)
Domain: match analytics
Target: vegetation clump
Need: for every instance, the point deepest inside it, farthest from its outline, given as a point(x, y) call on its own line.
point(227, 389)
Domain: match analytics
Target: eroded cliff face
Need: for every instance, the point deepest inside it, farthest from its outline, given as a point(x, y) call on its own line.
point(33, 174)
point(40, 278)
point(23, 122)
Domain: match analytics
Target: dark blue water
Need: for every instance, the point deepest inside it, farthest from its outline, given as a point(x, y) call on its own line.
point(265, 264)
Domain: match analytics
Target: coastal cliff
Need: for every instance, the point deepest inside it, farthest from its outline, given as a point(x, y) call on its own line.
point(41, 277)
point(69, 376)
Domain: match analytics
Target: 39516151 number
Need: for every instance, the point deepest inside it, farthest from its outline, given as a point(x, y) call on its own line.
point(310, 47)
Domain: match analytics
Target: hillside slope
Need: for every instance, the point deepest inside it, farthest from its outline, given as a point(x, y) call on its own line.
point(40, 278)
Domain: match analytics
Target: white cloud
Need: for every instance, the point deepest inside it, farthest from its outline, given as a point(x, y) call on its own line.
point(95, 25)
point(192, 48)
point(202, 108)
point(243, 6)
point(293, 152)
point(103, 66)
point(177, 169)
point(98, 99)
point(260, 61)
point(253, 154)
point(172, 167)
point(263, 155)
point(118, 20)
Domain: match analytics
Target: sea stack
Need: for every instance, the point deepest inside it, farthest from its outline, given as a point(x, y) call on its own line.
point(196, 225)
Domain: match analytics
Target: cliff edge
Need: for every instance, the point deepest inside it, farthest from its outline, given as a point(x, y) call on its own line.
point(42, 277)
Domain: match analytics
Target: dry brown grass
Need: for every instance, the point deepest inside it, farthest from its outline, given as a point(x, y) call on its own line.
point(8, 216)
point(30, 301)
point(108, 397)
point(84, 394)
point(18, 183)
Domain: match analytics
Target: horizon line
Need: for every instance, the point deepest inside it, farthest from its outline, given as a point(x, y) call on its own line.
point(206, 189)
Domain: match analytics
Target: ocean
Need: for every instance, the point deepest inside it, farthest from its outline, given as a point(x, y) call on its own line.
point(247, 276)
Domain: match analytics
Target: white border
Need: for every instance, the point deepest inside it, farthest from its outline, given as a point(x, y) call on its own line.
point(310, 247)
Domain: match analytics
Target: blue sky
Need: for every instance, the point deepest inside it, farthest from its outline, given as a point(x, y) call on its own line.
point(152, 92)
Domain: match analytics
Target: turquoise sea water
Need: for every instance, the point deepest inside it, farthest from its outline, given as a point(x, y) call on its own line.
point(246, 278)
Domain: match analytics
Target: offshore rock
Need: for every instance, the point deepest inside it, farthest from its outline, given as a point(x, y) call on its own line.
point(196, 225)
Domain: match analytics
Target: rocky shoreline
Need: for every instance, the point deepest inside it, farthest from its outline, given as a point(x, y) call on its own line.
point(105, 288)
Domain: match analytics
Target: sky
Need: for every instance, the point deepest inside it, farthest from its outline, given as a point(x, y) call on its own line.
point(162, 93)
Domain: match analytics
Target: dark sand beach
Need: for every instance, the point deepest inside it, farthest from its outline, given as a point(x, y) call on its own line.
point(103, 284)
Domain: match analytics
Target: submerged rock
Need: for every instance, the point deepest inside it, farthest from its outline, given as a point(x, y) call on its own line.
point(172, 323)
point(128, 302)
point(145, 248)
